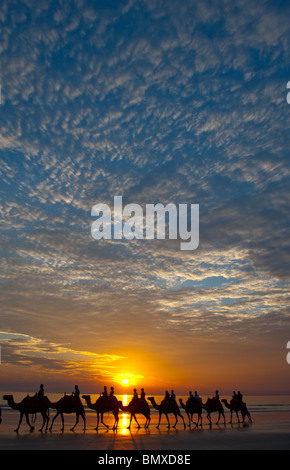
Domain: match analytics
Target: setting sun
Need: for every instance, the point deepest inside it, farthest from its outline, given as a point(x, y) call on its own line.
point(125, 381)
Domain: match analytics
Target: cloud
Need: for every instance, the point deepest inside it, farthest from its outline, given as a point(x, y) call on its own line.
point(159, 102)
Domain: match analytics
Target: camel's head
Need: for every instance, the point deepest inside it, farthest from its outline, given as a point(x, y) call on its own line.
point(224, 400)
point(181, 401)
point(150, 398)
point(85, 397)
point(7, 397)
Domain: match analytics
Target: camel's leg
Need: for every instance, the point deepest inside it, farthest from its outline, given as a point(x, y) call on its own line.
point(106, 426)
point(20, 421)
point(43, 421)
point(53, 419)
point(47, 421)
point(209, 418)
point(193, 422)
point(169, 422)
point(149, 421)
point(221, 413)
point(27, 420)
point(62, 420)
point(131, 417)
point(218, 418)
point(84, 420)
point(184, 425)
point(116, 415)
point(176, 419)
point(159, 420)
point(98, 418)
point(77, 420)
point(134, 416)
point(199, 419)
point(238, 417)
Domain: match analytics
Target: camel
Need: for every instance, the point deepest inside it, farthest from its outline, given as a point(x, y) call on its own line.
point(139, 405)
point(214, 405)
point(68, 404)
point(236, 406)
point(30, 405)
point(192, 407)
point(103, 405)
point(166, 407)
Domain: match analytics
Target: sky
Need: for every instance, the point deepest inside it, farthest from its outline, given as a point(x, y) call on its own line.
point(158, 102)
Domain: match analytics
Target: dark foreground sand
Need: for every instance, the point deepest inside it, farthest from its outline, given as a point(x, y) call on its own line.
point(269, 431)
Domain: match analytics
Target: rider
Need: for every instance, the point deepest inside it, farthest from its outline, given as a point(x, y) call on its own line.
point(41, 392)
point(172, 396)
point(76, 393)
point(196, 396)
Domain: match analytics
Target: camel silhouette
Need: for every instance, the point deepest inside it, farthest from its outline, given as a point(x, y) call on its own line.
point(191, 407)
point(30, 405)
point(67, 405)
point(236, 406)
point(138, 405)
point(103, 405)
point(166, 407)
point(213, 405)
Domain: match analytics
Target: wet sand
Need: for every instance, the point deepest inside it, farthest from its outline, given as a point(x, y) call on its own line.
point(269, 431)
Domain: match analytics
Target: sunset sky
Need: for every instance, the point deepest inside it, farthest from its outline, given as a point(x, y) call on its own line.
point(159, 101)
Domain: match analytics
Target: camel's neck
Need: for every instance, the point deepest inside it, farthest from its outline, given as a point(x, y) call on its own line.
point(89, 403)
point(154, 404)
point(226, 404)
point(12, 404)
point(53, 405)
point(123, 407)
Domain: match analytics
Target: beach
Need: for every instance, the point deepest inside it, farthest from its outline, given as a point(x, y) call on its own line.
point(270, 430)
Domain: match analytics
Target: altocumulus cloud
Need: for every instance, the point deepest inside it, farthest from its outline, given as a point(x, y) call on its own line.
point(158, 102)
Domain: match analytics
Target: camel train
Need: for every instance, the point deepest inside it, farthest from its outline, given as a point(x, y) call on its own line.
point(72, 404)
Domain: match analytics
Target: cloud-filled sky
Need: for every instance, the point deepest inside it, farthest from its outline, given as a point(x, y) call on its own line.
point(160, 102)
